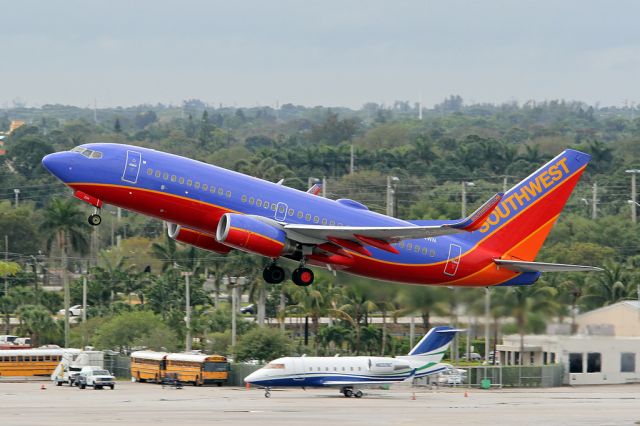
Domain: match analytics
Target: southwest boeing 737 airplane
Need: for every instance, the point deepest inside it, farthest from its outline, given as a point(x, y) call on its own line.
point(349, 373)
point(220, 210)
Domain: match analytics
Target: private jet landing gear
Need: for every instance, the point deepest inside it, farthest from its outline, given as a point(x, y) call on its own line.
point(95, 219)
point(273, 274)
point(267, 393)
point(349, 392)
point(302, 276)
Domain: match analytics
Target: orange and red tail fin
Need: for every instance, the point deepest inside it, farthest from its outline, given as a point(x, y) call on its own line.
point(518, 226)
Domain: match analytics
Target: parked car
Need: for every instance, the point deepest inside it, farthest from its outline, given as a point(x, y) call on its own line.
point(451, 377)
point(95, 377)
point(74, 311)
point(473, 356)
point(249, 309)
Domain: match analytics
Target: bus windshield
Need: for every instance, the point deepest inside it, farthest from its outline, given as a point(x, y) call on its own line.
point(215, 366)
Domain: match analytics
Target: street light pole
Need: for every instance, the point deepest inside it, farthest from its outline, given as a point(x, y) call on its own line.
point(464, 197)
point(16, 192)
point(391, 195)
point(187, 317)
point(633, 193)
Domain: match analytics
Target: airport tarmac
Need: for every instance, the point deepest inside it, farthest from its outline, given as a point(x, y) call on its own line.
point(149, 404)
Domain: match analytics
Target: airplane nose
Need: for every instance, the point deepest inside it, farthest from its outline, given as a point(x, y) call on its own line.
point(59, 164)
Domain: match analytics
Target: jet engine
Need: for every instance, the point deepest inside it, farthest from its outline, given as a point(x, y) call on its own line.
point(196, 238)
point(252, 235)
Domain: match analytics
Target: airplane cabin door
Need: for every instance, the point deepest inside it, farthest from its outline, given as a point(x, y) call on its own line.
point(132, 167)
point(299, 369)
point(281, 212)
point(453, 261)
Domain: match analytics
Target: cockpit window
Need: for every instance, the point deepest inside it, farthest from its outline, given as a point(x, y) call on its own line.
point(89, 153)
point(274, 366)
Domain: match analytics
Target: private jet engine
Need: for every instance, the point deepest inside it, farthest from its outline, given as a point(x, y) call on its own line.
point(196, 238)
point(252, 235)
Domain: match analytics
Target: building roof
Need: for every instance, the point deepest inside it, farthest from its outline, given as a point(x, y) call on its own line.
point(633, 304)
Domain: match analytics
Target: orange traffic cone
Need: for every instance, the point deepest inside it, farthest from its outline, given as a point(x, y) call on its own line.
point(413, 397)
point(466, 394)
point(247, 385)
point(42, 387)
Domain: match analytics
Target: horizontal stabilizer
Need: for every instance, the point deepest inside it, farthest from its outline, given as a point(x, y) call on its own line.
point(522, 266)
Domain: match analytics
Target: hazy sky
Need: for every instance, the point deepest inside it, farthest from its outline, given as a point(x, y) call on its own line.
point(327, 52)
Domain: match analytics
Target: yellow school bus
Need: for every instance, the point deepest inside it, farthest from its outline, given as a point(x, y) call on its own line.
point(198, 369)
point(147, 366)
point(32, 362)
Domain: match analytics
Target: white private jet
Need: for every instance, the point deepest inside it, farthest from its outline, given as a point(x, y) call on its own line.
point(353, 372)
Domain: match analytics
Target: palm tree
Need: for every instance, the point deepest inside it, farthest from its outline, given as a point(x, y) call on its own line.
point(63, 223)
point(35, 320)
point(355, 310)
point(607, 287)
point(520, 301)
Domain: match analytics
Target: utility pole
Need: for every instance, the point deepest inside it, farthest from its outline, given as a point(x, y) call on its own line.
point(351, 161)
point(391, 195)
point(633, 194)
point(412, 330)
point(232, 287)
point(324, 187)
point(6, 259)
point(187, 318)
point(16, 193)
point(594, 201)
point(487, 322)
point(464, 197)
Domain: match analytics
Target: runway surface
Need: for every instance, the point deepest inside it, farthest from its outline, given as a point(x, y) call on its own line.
point(149, 404)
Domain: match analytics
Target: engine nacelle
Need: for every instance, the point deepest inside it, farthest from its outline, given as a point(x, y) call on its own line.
point(195, 238)
point(252, 235)
point(386, 365)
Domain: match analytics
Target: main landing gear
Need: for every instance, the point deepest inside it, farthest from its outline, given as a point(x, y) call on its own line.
point(273, 274)
point(95, 219)
point(348, 392)
point(302, 276)
point(267, 392)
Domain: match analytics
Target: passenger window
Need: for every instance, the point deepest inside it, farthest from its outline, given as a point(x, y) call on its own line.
point(300, 214)
point(259, 202)
point(189, 182)
point(332, 223)
point(157, 173)
point(266, 204)
point(213, 189)
point(401, 243)
point(316, 219)
point(197, 185)
point(205, 186)
point(281, 208)
point(244, 200)
point(181, 181)
point(220, 191)
point(409, 246)
point(149, 171)
point(174, 178)
point(290, 212)
point(342, 368)
point(417, 249)
point(432, 253)
point(308, 216)
point(351, 368)
point(324, 221)
point(273, 206)
point(165, 176)
point(251, 200)
point(228, 194)
point(424, 251)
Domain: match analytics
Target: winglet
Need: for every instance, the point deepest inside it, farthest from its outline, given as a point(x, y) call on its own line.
point(477, 218)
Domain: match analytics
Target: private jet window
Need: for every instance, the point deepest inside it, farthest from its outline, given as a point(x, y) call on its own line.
point(149, 171)
point(205, 187)
point(316, 219)
point(575, 362)
point(272, 365)
point(181, 181)
point(342, 368)
point(189, 182)
point(174, 178)
point(359, 368)
point(165, 176)
point(220, 191)
point(308, 217)
point(318, 369)
point(334, 368)
point(259, 202)
point(157, 173)
point(351, 368)
point(594, 362)
point(627, 362)
point(197, 185)
point(228, 194)
point(324, 221)
point(244, 200)
point(310, 368)
point(300, 214)
point(252, 200)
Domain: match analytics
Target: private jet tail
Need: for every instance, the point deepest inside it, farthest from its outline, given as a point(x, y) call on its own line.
point(426, 355)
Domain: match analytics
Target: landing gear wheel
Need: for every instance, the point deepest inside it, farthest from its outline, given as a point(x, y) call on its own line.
point(348, 393)
point(95, 219)
point(358, 394)
point(273, 274)
point(302, 276)
point(267, 393)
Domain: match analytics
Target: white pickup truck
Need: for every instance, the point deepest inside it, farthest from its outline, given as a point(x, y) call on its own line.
point(96, 377)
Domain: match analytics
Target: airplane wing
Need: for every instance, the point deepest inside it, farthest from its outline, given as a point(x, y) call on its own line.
point(381, 236)
point(522, 266)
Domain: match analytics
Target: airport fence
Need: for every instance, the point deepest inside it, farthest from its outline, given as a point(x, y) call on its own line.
point(540, 376)
point(239, 371)
point(119, 365)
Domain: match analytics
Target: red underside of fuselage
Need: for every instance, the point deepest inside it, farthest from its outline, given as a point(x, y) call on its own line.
point(476, 266)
